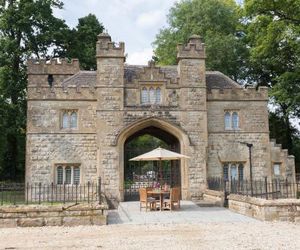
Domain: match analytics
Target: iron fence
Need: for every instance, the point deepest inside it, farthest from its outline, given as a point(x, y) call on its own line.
point(21, 193)
point(264, 188)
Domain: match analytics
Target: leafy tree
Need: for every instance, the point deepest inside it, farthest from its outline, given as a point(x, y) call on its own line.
point(273, 37)
point(82, 41)
point(218, 22)
point(27, 28)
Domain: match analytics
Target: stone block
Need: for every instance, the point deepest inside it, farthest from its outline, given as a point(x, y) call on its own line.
point(77, 221)
point(53, 221)
point(30, 222)
point(8, 223)
point(99, 220)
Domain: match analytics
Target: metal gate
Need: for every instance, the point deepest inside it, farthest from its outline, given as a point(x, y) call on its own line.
point(139, 174)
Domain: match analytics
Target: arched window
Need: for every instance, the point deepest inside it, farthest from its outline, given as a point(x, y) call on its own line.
point(158, 95)
point(76, 175)
point(152, 95)
point(144, 96)
point(227, 121)
point(235, 120)
point(65, 122)
point(60, 175)
point(233, 172)
point(74, 120)
point(241, 172)
point(68, 178)
point(225, 172)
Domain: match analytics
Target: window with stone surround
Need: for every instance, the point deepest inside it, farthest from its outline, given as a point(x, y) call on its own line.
point(233, 171)
point(69, 119)
point(68, 174)
point(276, 169)
point(150, 95)
point(231, 120)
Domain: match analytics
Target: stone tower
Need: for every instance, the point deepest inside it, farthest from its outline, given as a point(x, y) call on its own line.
point(191, 70)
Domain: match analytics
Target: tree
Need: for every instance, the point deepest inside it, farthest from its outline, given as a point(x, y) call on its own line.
point(27, 28)
point(273, 33)
point(218, 22)
point(82, 41)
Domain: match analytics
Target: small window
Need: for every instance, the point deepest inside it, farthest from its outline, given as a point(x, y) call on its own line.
point(227, 119)
point(276, 168)
point(60, 175)
point(74, 120)
point(76, 176)
point(68, 172)
point(144, 96)
point(225, 172)
point(69, 119)
point(241, 172)
point(233, 172)
point(158, 95)
point(65, 121)
point(152, 95)
point(235, 120)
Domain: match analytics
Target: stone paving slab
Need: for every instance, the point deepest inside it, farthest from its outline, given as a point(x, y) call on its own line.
point(129, 213)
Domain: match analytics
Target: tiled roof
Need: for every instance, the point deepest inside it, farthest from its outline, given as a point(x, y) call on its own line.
point(214, 79)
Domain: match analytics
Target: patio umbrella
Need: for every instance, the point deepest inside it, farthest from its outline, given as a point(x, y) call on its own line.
point(159, 154)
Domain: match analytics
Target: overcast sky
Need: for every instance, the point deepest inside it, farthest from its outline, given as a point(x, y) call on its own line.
point(135, 22)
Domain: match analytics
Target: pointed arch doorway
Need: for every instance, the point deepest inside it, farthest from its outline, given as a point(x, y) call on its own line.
point(146, 173)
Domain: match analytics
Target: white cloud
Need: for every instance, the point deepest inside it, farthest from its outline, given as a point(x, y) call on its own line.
point(150, 19)
point(135, 22)
point(140, 57)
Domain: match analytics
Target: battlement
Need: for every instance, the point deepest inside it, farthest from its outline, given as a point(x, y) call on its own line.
point(194, 49)
point(106, 48)
point(238, 94)
point(52, 67)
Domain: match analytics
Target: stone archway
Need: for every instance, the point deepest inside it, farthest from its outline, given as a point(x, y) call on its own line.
point(168, 128)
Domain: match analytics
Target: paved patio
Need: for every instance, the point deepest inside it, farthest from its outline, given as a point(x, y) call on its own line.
point(129, 213)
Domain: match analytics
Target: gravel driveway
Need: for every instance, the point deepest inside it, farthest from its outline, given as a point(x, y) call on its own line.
point(225, 235)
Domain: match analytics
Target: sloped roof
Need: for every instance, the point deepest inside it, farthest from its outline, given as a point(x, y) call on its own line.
point(214, 79)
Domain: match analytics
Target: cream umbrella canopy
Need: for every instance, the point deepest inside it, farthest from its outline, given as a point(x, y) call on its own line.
point(159, 154)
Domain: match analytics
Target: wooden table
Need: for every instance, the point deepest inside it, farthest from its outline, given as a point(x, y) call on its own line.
point(160, 193)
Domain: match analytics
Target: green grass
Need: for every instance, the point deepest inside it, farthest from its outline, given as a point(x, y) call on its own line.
point(12, 197)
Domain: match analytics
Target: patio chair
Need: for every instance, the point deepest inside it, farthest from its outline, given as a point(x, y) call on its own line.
point(174, 200)
point(145, 200)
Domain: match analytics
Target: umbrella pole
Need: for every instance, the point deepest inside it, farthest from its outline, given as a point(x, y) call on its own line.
point(160, 173)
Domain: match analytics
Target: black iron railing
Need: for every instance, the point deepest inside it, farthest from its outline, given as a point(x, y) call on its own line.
point(38, 193)
point(264, 188)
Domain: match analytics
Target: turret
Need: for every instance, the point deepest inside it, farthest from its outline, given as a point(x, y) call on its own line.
point(110, 72)
point(191, 70)
point(110, 61)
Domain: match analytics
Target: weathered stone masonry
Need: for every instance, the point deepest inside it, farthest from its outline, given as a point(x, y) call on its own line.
point(108, 103)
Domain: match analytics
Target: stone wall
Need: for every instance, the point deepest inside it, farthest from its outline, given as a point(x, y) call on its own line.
point(217, 197)
point(54, 215)
point(266, 210)
point(45, 151)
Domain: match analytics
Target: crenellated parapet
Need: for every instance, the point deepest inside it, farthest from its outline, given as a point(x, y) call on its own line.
point(194, 49)
point(150, 74)
point(241, 94)
point(52, 67)
point(105, 48)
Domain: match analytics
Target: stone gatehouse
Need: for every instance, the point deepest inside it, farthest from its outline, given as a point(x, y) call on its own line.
point(79, 121)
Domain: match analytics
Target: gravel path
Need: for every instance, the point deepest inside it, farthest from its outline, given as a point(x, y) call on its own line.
point(224, 235)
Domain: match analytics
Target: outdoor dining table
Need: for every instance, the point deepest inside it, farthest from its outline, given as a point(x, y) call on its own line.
point(160, 193)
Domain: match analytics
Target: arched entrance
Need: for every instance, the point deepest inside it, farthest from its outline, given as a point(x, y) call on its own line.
point(146, 174)
point(164, 131)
